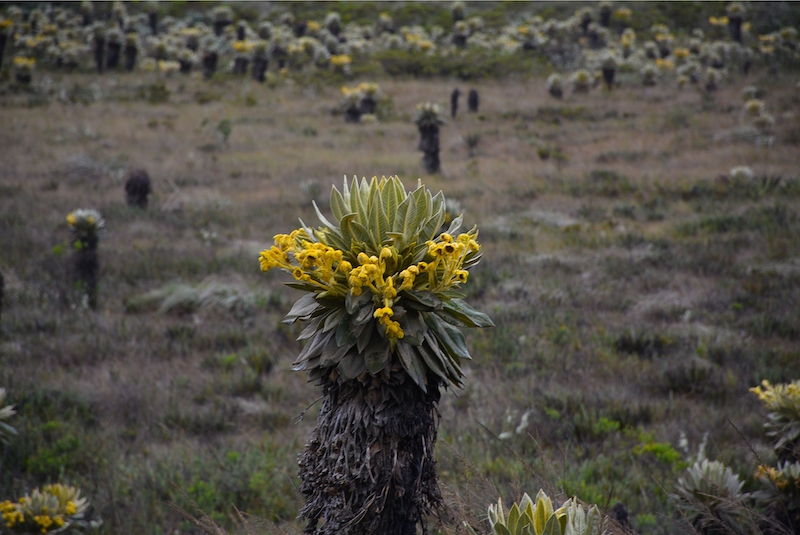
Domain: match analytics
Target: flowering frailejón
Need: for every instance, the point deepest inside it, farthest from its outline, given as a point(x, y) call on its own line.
point(384, 285)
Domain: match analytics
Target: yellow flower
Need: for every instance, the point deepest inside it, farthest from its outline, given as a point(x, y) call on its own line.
point(71, 219)
point(383, 312)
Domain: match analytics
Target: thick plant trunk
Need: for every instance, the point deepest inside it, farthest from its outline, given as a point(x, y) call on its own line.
point(2, 47)
point(240, 66)
point(99, 53)
point(429, 145)
point(735, 28)
point(219, 27)
point(368, 106)
point(472, 101)
point(112, 60)
point(87, 266)
point(608, 77)
point(186, 66)
point(260, 69)
point(369, 467)
point(209, 64)
point(153, 19)
point(130, 57)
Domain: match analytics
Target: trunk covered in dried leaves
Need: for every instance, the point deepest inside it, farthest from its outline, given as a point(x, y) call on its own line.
point(369, 467)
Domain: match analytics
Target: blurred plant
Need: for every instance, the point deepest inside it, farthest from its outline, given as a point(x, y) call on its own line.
point(5, 413)
point(222, 15)
point(351, 103)
point(53, 509)
point(370, 93)
point(711, 496)
point(741, 174)
point(137, 188)
point(779, 494)
point(428, 118)
point(472, 139)
point(539, 518)
point(649, 73)
point(23, 69)
point(341, 63)
point(609, 61)
point(225, 128)
point(750, 92)
point(754, 107)
point(555, 85)
point(383, 308)
point(131, 50)
point(783, 425)
point(581, 81)
point(713, 79)
point(86, 227)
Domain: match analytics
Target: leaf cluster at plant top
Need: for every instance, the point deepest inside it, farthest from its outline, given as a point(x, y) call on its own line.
point(384, 285)
point(55, 508)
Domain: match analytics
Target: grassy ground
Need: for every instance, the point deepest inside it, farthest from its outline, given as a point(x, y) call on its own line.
point(637, 293)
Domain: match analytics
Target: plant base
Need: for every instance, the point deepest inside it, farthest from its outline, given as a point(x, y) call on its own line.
point(369, 466)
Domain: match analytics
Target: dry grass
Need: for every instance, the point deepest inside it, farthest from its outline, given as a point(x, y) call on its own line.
point(563, 277)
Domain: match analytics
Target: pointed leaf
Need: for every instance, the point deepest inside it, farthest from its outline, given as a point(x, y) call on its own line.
point(302, 308)
point(364, 314)
point(365, 337)
point(359, 232)
point(344, 332)
point(338, 207)
point(425, 298)
point(448, 335)
point(377, 354)
point(432, 361)
point(412, 363)
point(464, 315)
point(314, 347)
point(333, 320)
point(413, 326)
point(351, 366)
point(332, 354)
point(322, 218)
point(310, 329)
point(455, 224)
point(354, 303)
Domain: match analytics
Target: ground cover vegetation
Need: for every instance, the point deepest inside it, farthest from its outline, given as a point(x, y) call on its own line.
point(633, 171)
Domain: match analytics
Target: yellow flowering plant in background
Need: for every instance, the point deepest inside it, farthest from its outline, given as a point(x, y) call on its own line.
point(53, 509)
point(783, 406)
point(384, 285)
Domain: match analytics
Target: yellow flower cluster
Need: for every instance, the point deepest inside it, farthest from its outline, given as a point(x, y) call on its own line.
point(681, 53)
point(318, 264)
point(14, 513)
point(243, 46)
point(313, 26)
point(341, 60)
point(23, 63)
point(448, 257)
point(665, 64)
point(5, 23)
point(779, 478)
point(367, 88)
point(623, 14)
point(718, 21)
point(775, 397)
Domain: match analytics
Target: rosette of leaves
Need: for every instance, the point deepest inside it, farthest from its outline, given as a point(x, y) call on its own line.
point(538, 517)
point(53, 509)
point(392, 295)
point(86, 226)
point(783, 424)
point(5, 413)
point(711, 497)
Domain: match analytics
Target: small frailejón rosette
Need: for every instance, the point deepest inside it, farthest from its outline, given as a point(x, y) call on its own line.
point(384, 285)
